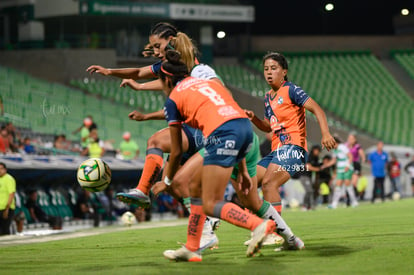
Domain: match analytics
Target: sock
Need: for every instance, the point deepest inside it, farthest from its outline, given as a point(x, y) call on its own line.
point(187, 204)
point(233, 214)
point(351, 194)
point(195, 224)
point(268, 212)
point(336, 196)
point(278, 207)
point(152, 168)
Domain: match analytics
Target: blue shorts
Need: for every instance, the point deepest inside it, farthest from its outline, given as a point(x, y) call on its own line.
point(229, 143)
point(291, 158)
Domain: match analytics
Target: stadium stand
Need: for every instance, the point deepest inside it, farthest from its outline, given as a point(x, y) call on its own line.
point(406, 59)
point(38, 106)
point(347, 84)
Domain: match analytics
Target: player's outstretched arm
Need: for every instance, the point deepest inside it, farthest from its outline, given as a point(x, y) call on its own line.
point(134, 73)
point(155, 85)
point(327, 141)
point(138, 116)
point(262, 124)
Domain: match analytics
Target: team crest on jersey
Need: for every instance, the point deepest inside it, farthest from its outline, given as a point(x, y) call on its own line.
point(230, 144)
point(280, 100)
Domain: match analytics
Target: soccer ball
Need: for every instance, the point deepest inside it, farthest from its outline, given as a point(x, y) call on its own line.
point(396, 196)
point(294, 203)
point(128, 219)
point(94, 175)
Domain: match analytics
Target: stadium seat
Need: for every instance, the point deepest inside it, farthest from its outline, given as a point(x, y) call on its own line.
point(51, 108)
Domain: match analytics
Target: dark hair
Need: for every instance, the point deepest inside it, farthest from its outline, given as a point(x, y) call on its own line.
point(279, 58)
point(179, 42)
point(327, 157)
point(316, 147)
point(337, 139)
point(164, 30)
point(173, 67)
point(3, 164)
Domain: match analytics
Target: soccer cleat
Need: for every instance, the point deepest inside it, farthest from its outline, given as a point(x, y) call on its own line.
point(208, 240)
point(293, 243)
point(135, 196)
point(215, 223)
point(270, 239)
point(259, 234)
point(182, 254)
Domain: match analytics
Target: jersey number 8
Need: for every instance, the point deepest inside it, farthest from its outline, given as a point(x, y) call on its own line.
point(212, 95)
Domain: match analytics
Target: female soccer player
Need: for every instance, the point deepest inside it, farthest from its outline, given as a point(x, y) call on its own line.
point(162, 36)
point(285, 106)
point(208, 106)
point(344, 170)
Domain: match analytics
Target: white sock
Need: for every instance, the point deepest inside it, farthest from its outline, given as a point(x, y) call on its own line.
point(351, 193)
point(282, 228)
point(337, 195)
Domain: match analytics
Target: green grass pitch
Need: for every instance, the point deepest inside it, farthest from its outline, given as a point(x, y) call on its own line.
point(370, 239)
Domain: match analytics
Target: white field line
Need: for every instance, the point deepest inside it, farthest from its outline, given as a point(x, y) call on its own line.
point(63, 235)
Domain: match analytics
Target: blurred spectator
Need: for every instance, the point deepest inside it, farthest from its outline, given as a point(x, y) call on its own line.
point(409, 168)
point(38, 215)
point(362, 186)
point(61, 143)
point(87, 207)
point(4, 141)
point(305, 178)
point(358, 157)
point(14, 137)
point(166, 203)
point(85, 132)
point(92, 127)
point(325, 180)
point(7, 201)
point(378, 161)
point(95, 148)
point(394, 172)
point(128, 148)
point(28, 146)
point(116, 207)
point(1, 106)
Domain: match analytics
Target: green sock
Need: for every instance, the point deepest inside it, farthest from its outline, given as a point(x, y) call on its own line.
point(187, 203)
point(263, 209)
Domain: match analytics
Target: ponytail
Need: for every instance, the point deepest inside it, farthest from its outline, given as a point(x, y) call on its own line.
point(184, 45)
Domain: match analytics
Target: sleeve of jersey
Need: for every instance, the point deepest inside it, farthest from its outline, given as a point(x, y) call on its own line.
point(155, 68)
point(172, 115)
point(297, 95)
point(204, 72)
